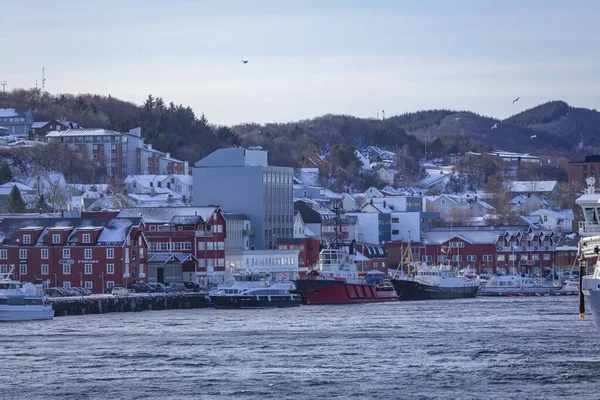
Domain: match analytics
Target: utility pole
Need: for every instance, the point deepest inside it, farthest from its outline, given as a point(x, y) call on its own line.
point(3, 83)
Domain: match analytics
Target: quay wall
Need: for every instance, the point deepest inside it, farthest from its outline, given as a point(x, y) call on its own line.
point(108, 304)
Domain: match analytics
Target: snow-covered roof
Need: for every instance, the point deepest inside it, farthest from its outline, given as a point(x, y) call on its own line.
point(84, 132)
point(530, 186)
point(36, 125)
point(12, 112)
point(166, 214)
point(20, 186)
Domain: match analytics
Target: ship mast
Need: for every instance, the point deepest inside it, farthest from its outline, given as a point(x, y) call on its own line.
point(406, 255)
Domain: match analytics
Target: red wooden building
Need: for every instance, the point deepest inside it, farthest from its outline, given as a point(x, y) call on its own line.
point(185, 243)
point(95, 253)
point(489, 249)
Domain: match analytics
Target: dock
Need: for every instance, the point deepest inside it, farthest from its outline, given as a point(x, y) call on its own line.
point(102, 304)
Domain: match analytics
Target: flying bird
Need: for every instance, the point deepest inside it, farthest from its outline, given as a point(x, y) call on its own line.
point(245, 61)
point(495, 126)
point(515, 100)
point(533, 136)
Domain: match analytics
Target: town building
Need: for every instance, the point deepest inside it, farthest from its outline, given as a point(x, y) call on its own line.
point(40, 129)
point(17, 121)
point(239, 232)
point(487, 249)
point(579, 171)
point(275, 262)
point(121, 153)
point(184, 243)
point(89, 251)
point(241, 181)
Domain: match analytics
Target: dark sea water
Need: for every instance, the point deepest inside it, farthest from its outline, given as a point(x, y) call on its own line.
point(483, 348)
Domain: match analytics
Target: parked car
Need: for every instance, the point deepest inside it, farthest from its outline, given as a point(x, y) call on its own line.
point(158, 287)
point(176, 287)
point(191, 286)
point(54, 292)
point(120, 291)
point(141, 287)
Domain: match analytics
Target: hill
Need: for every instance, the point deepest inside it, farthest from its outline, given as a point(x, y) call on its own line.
point(552, 128)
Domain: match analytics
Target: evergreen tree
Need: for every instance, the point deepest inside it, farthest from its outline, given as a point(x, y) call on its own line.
point(5, 173)
point(15, 201)
point(41, 205)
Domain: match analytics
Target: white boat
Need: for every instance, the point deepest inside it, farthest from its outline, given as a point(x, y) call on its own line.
point(22, 301)
point(570, 286)
point(515, 285)
point(253, 290)
point(589, 249)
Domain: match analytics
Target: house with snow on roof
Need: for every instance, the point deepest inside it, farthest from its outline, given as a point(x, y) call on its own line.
point(559, 221)
point(545, 188)
point(40, 129)
point(180, 184)
point(455, 208)
point(17, 121)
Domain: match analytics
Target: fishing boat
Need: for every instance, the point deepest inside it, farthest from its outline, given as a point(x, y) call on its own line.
point(255, 290)
point(22, 301)
point(516, 285)
point(427, 282)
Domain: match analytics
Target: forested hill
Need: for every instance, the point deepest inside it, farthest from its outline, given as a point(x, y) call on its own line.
point(551, 128)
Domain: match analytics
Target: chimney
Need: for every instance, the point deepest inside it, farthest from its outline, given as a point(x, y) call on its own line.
point(186, 167)
point(167, 155)
point(384, 204)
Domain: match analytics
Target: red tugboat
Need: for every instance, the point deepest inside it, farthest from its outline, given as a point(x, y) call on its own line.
point(336, 281)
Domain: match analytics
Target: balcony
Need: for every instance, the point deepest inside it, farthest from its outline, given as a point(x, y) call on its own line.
point(587, 228)
point(203, 234)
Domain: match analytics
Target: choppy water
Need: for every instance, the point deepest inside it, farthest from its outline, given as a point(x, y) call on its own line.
point(483, 348)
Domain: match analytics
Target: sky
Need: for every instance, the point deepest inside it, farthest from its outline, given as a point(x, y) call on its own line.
point(309, 58)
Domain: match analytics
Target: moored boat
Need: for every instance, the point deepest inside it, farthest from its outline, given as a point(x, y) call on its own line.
point(21, 301)
point(253, 290)
point(428, 282)
point(335, 280)
point(516, 285)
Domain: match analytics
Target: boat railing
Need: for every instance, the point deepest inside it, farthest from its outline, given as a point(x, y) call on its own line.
point(588, 228)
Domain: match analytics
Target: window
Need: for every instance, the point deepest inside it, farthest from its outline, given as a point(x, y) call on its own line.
point(201, 246)
point(67, 253)
point(66, 284)
point(44, 254)
point(545, 218)
point(110, 253)
point(55, 238)
point(45, 269)
point(3, 254)
point(22, 254)
point(471, 258)
point(85, 238)
point(511, 257)
point(67, 269)
point(152, 228)
point(23, 269)
point(26, 239)
point(88, 269)
point(221, 262)
point(457, 244)
point(88, 285)
point(221, 246)
point(457, 258)
point(88, 254)
point(488, 257)
point(395, 232)
point(110, 284)
point(426, 258)
point(3, 269)
point(110, 269)
point(535, 257)
point(395, 220)
point(546, 256)
point(442, 259)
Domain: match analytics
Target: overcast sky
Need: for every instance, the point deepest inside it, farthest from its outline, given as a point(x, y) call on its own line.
point(309, 58)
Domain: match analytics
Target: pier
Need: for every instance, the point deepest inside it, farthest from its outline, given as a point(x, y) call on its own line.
point(140, 302)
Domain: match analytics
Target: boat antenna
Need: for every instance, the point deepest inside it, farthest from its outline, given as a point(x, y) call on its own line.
point(407, 254)
point(338, 225)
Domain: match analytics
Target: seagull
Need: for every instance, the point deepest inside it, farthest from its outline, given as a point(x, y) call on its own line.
point(533, 136)
point(515, 100)
point(246, 62)
point(495, 126)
